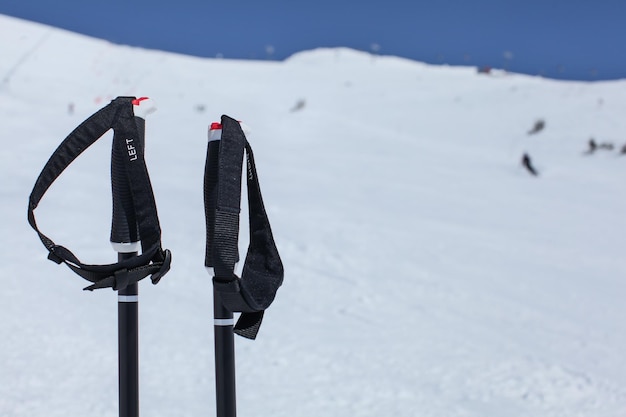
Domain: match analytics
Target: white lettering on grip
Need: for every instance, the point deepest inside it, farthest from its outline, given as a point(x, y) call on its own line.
point(132, 152)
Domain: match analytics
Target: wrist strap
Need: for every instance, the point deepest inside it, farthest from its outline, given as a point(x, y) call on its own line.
point(263, 271)
point(119, 116)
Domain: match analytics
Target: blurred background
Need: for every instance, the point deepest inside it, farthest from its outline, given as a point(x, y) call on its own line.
point(573, 40)
point(444, 180)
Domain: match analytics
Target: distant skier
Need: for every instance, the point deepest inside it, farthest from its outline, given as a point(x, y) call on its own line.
point(298, 106)
point(538, 127)
point(592, 146)
point(623, 151)
point(528, 165)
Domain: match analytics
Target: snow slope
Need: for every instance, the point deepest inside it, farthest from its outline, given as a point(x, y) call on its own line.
point(427, 274)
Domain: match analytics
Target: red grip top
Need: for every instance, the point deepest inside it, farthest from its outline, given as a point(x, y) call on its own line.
point(138, 101)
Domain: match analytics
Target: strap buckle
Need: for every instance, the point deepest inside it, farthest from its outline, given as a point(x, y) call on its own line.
point(53, 256)
point(156, 277)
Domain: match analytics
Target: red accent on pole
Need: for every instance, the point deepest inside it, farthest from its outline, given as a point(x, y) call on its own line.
point(216, 126)
point(138, 101)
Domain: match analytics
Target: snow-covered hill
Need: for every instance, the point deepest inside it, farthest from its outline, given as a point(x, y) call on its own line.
point(427, 273)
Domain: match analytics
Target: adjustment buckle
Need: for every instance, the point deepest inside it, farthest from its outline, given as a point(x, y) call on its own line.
point(156, 277)
point(54, 257)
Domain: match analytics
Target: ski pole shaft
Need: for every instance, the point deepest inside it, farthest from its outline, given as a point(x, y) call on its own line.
point(125, 241)
point(128, 347)
point(225, 390)
point(225, 387)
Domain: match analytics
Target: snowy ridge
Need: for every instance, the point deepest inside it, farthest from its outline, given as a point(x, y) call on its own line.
point(427, 274)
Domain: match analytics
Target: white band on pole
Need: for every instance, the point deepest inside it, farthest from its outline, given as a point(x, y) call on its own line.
point(126, 247)
point(224, 322)
point(127, 298)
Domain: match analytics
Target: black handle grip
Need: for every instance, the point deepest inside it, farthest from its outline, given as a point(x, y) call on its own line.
point(210, 197)
point(124, 227)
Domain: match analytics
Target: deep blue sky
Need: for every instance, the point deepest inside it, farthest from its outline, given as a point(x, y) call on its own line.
point(566, 39)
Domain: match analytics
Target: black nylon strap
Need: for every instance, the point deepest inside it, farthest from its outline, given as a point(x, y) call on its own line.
point(231, 150)
point(124, 227)
point(119, 116)
point(263, 272)
point(126, 137)
point(210, 198)
point(80, 139)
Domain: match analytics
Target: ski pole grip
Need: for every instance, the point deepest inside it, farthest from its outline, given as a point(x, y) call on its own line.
point(124, 227)
point(210, 192)
point(211, 179)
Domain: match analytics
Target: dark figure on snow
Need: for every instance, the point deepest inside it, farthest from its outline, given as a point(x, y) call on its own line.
point(298, 106)
point(538, 127)
point(606, 145)
point(592, 146)
point(623, 151)
point(528, 165)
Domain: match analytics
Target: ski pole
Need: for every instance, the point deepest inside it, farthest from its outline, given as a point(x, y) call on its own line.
point(223, 320)
point(134, 220)
point(226, 404)
point(262, 273)
point(125, 240)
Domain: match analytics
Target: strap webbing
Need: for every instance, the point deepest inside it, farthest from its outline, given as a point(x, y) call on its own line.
point(263, 271)
point(119, 116)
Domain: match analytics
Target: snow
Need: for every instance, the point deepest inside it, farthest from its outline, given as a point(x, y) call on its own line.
point(427, 274)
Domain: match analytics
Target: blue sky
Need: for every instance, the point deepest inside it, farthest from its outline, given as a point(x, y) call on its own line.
point(573, 39)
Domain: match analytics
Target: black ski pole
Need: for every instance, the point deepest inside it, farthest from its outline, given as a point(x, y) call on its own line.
point(223, 320)
point(262, 272)
point(134, 221)
point(224, 359)
point(125, 240)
